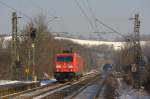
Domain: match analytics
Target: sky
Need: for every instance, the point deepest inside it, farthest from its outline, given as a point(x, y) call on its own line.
point(115, 13)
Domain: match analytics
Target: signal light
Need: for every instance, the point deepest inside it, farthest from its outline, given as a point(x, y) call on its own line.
point(70, 66)
point(58, 66)
point(57, 70)
point(33, 33)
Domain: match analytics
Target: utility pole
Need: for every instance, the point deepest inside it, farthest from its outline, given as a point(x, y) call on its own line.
point(16, 63)
point(14, 46)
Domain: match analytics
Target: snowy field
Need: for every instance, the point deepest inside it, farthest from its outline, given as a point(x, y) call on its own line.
point(127, 92)
point(4, 82)
point(45, 82)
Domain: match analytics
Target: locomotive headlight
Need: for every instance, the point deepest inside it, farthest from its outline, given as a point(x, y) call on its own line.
point(57, 70)
point(70, 66)
point(58, 66)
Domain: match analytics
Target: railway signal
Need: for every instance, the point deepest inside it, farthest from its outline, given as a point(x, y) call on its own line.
point(33, 34)
point(33, 37)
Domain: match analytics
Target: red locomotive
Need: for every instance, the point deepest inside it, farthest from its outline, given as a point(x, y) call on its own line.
point(68, 66)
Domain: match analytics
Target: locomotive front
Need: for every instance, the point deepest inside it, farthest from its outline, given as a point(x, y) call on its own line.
point(68, 66)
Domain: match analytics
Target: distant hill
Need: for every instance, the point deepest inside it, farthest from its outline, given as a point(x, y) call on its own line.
point(145, 37)
point(90, 42)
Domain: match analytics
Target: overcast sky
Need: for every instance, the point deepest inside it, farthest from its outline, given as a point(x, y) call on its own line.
point(115, 13)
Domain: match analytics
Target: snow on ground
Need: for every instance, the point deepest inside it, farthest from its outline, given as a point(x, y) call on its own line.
point(127, 92)
point(115, 45)
point(89, 92)
point(91, 72)
point(45, 82)
point(4, 82)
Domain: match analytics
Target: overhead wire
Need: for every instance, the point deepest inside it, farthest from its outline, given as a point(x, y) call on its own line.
point(36, 5)
point(84, 13)
point(92, 13)
point(102, 23)
point(39, 7)
point(94, 17)
point(60, 22)
point(12, 8)
point(54, 17)
point(81, 9)
point(113, 30)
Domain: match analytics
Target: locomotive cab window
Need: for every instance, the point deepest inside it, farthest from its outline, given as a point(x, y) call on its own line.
point(64, 58)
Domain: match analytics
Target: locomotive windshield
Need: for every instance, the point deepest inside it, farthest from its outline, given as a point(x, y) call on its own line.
point(64, 58)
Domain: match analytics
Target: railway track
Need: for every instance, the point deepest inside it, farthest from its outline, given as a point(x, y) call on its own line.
point(44, 91)
point(89, 91)
point(28, 94)
point(10, 87)
point(92, 90)
point(76, 93)
point(70, 91)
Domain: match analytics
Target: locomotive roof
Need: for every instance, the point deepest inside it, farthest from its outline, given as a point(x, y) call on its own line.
point(64, 54)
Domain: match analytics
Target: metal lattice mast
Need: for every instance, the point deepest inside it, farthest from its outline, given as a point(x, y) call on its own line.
point(137, 52)
point(137, 46)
